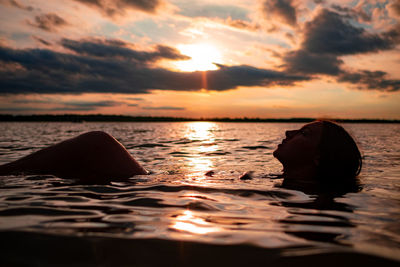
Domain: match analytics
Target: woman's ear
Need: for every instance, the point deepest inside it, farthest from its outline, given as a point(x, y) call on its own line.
point(316, 161)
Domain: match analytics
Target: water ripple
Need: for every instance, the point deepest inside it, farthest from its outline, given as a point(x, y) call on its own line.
point(180, 203)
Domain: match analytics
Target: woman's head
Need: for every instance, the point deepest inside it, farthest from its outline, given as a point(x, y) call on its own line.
point(322, 150)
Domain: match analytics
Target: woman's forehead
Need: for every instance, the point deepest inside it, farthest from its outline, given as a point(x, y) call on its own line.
point(313, 126)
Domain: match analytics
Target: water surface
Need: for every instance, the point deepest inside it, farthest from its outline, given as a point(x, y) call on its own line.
point(179, 204)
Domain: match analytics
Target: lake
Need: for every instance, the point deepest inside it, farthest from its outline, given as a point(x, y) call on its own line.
point(178, 215)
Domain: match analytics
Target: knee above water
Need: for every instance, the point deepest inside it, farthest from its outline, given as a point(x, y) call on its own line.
point(98, 137)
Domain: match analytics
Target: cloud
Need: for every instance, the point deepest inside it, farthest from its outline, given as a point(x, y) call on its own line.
point(394, 9)
point(92, 104)
point(230, 15)
point(144, 5)
point(31, 101)
point(19, 109)
point(241, 24)
point(71, 105)
point(47, 71)
point(134, 98)
point(303, 61)
point(330, 33)
point(119, 49)
point(48, 22)
point(164, 108)
point(16, 4)
point(196, 10)
point(283, 10)
point(356, 12)
point(40, 40)
point(119, 7)
point(327, 37)
point(373, 80)
point(74, 103)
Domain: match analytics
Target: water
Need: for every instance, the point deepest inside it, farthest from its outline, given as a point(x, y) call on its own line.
point(184, 216)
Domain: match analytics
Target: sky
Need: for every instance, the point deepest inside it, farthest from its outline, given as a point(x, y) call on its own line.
point(201, 58)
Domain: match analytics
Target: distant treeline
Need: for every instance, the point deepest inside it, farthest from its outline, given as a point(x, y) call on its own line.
point(124, 118)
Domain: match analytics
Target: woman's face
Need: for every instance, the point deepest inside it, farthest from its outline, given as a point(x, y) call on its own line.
point(300, 147)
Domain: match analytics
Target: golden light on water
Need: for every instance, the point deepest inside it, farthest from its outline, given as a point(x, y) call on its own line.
point(198, 167)
point(188, 222)
point(203, 133)
point(203, 56)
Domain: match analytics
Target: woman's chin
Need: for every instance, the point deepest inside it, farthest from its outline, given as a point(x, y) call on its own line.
point(276, 153)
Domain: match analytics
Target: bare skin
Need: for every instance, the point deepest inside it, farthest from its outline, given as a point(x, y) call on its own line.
point(90, 157)
point(96, 157)
point(299, 152)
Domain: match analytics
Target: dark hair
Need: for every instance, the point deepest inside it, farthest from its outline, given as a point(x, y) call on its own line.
point(340, 158)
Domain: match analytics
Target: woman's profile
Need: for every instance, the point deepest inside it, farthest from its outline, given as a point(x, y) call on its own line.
point(319, 153)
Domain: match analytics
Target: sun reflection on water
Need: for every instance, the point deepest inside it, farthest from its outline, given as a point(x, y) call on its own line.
point(188, 222)
point(200, 130)
point(201, 162)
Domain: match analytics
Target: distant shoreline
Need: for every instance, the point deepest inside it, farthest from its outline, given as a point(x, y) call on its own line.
point(125, 118)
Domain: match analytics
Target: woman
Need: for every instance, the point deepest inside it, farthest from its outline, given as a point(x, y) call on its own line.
point(322, 155)
point(321, 152)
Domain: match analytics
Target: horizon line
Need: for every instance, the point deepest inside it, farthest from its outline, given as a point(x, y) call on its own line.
point(129, 118)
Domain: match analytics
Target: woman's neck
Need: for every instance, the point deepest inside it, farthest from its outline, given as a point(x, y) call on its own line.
point(302, 173)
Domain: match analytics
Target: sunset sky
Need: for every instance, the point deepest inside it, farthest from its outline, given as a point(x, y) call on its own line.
point(201, 58)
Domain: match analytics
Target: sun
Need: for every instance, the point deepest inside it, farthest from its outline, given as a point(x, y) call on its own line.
point(202, 57)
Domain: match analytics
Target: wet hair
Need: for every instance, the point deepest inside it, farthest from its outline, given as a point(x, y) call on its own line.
point(340, 159)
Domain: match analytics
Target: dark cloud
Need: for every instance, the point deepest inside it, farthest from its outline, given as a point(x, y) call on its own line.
point(119, 7)
point(21, 109)
point(61, 105)
point(16, 4)
point(92, 104)
point(302, 61)
point(164, 108)
point(331, 33)
point(119, 49)
point(47, 71)
point(74, 103)
point(40, 40)
point(48, 22)
point(31, 109)
point(144, 5)
point(78, 108)
point(134, 98)
point(31, 101)
point(98, 5)
point(283, 10)
point(373, 80)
